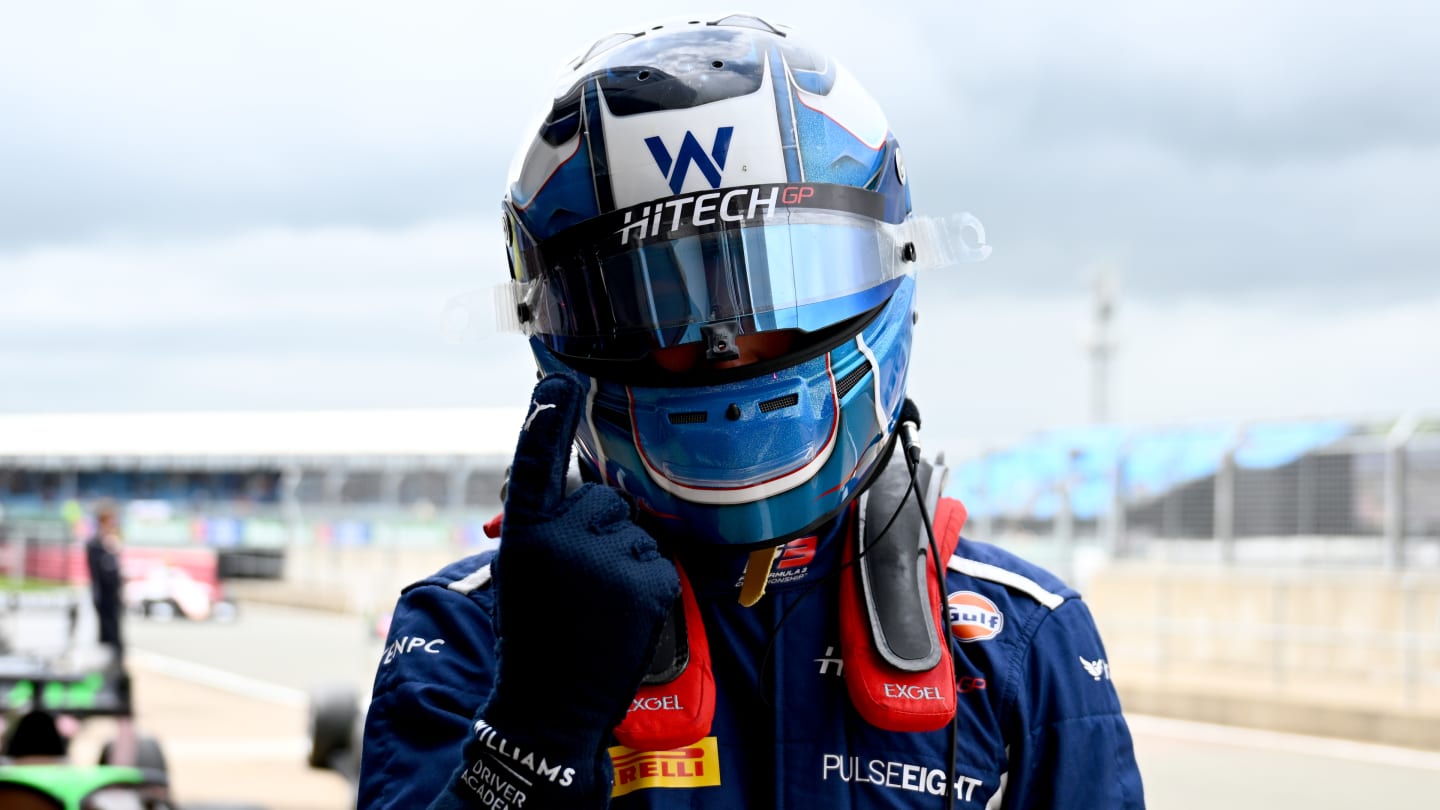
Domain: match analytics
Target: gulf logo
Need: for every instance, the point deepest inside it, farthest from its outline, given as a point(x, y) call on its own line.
point(973, 617)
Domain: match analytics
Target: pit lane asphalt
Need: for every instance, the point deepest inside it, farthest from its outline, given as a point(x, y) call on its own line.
point(228, 699)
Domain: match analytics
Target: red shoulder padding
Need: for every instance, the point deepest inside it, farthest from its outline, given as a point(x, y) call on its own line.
point(670, 715)
point(949, 521)
point(886, 697)
point(492, 526)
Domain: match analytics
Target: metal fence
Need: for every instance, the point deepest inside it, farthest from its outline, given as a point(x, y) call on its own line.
point(1368, 499)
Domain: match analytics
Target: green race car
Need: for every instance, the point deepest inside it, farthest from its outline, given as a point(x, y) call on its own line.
point(82, 787)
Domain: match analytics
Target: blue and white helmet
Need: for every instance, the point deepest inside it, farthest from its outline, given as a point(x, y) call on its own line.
point(692, 185)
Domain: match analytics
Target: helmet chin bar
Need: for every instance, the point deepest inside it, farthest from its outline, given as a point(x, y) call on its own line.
point(742, 494)
point(663, 524)
point(882, 458)
point(882, 453)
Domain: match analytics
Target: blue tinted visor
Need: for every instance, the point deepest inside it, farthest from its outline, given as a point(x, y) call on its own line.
point(653, 276)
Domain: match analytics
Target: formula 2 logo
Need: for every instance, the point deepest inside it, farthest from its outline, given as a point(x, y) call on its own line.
point(690, 153)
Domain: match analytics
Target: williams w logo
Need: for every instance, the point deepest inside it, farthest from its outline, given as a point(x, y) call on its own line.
point(676, 168)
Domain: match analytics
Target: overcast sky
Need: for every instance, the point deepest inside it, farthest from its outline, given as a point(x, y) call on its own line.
point(295, 205)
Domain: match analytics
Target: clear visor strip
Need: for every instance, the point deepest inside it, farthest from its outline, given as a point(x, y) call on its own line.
point(943, 241)
point(938, 242)
point(880, 421)
point(594, 434)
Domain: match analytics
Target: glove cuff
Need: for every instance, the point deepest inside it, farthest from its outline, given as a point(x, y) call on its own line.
point(528, 771)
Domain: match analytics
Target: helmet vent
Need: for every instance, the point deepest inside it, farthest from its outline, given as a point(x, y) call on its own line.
point(777, 403)
point(849, 381)
point(688, 418)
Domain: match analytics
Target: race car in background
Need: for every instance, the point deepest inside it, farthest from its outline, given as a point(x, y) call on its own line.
point(158, 588)
point(45, 696)
point(42, 702)
point(63, 786)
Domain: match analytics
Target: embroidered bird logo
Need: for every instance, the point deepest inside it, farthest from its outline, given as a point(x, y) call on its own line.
point(1097, 668)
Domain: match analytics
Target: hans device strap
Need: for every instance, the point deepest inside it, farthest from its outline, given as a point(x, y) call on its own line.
point(895, 573)
point(676, 701)
point(892, 630)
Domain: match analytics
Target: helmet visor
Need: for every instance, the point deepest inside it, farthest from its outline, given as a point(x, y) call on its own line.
point(650, 277)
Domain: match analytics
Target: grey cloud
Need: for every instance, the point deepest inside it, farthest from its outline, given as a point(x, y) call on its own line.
point(1193, 119)
point(213, 119)
point(1353, 231)
point(43, 207)
point(120, 379)
point(1215, 149)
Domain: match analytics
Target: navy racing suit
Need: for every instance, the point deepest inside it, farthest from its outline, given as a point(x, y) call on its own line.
point(1038, 721)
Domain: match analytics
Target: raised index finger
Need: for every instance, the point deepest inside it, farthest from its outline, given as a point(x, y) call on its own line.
point(542, 454)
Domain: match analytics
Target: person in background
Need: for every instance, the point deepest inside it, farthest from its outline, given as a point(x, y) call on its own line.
point(758, 597)
point(102, 556)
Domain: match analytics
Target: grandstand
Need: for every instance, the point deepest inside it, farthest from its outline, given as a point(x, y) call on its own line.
point(250, 484)
point(1128, 487)
point(255, 485)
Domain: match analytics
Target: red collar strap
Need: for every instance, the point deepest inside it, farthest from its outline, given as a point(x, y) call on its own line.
point(675, 709)
point(899, 679)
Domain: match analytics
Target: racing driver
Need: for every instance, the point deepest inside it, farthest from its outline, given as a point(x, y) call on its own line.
point(753, 594)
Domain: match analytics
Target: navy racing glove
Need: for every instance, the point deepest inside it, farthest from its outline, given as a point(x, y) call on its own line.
point(581, 595)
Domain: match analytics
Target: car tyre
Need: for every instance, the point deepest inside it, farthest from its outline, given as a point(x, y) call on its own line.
point(333, 711)
point(148, 754)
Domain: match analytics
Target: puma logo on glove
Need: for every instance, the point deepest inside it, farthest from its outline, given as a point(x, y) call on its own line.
point(535, 409)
